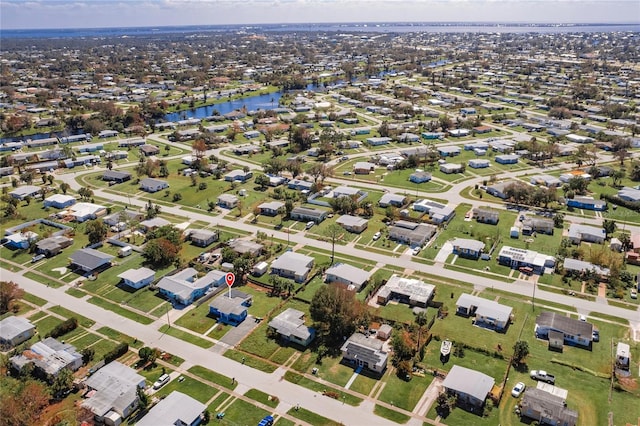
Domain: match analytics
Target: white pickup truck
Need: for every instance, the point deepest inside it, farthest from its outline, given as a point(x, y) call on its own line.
point(543, 376)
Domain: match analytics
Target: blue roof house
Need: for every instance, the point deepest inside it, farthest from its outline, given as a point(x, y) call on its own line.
point(587, 203)
point(230, 308)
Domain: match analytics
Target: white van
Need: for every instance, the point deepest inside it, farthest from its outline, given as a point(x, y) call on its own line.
point(162, 380)
point(125, 251)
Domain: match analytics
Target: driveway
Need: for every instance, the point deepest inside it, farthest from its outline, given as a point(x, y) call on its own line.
point(445, 251)
point(236, 334)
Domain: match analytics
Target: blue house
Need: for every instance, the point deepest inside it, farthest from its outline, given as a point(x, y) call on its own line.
point(184, 287)
point(464, 247)
point(20, 240)
point(587, 203)
point(420, 177)
point(238, 176)
point(230, 308)
point(449, 151)
point(378, 141)
point(432, 135)
point(507, 159)
point(138, 278)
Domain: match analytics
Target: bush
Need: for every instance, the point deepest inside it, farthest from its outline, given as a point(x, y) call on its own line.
point(119, 350)
point(202, 186)
point(177, 197)
point(63, 328)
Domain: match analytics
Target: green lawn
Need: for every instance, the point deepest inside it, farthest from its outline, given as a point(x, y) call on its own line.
point(119, 337)
point(213, 376)
point(31, 298)
point(83, 321)
point(197, 319)
point(186, 336)
point(404, 394)
point(311, 417)
point(251, 361)
point(262, 397)
point(242, 413)
point(194, 388)
point(320, 387)
point(119, 310)
point(389, 414)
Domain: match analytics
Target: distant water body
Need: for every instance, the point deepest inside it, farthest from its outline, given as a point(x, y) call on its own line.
point(342, 27)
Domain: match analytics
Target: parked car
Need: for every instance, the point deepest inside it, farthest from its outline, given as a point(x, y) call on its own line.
point(162, 380)
point(377, 236)
point(595, 335)
point(37, 258)
point(543, 376)
point(310, 224)
point(518, 389)
point(267, 421)
point(633, 293)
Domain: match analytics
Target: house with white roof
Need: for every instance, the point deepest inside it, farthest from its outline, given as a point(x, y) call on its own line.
point(15, 330)
point(292, 265)
point(137, 278)
point(438, 212)
point(25, 191)
point(59, 201)
point(290, 326)
point(629, 194)
point(528, 261)
point(390, 199)
point(81, 212)
point(470, 386)
point(365, 352)
point(578, 233)
point(153, 185)
point(411, 291)
point(176, 409)
point(49, 357)
point(348, 276)
point(351, 223)
point(113, 392)
point(184, 287)
point(486, 313)
point(465, 247)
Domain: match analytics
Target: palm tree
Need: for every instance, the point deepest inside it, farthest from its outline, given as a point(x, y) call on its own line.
point(421, 320)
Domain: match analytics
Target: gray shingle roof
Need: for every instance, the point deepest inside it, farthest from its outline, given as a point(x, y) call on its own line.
point(89, 259)
point(470, 382)
point(176, 406)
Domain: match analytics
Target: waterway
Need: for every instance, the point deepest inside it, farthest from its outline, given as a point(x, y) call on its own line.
point(252, 103)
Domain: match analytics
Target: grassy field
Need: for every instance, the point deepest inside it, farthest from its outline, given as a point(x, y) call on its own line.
point(311, 417)
point(213, 376)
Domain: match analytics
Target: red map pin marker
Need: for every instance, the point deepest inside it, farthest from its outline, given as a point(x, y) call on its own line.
point(230, 278)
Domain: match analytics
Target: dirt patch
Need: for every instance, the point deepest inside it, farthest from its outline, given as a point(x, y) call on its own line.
point(628, 383)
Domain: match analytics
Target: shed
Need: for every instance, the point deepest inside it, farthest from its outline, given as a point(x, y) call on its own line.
point(514, 232)
point(260, 269)
point(384, 332)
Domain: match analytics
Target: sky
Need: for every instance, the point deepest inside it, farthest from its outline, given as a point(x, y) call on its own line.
point(36, 14)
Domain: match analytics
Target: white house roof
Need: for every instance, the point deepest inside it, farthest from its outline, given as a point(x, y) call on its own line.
point(349, 220)
point(10, 327)
point(470, 382)
point(176, 408)
point(184, 282)
point(416, 290)
point(116, 386)
point(467, 243)
point(349, 273)
point(136, 275)
point(291, 261)
point(89, 258)
point(60, 198)
point(485, 307)
point(291, 323)
point(577, 230)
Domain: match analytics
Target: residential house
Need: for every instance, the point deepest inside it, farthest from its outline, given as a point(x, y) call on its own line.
point(507, 159)
point(230, 308)
point(486, 215)
point(390, 199)
point(432, 135)
point(486, 313)
point(353, 223)
point(290, 326)
point(449, 151)
point(153, 185)
point(300, 185)
point(107, 134)
point(203, 237)
point(15, 330)
point(411, 291)
point(471, 387)
point(498, 189)
point(546, 180)
point(154, 223)
point(547, 408)
point(459, 133)
point(420, 177)
point(184, 287)
point(578, 233)
point(587, 203)
point(176, 409)
point(25, 191)
point(242, 247)
point(137, 278)
point(540, 225)
point(271, 208)
point(246, 149)
point(449, 168)
point(363, 168)
point(408, 137)
point(53, 245)
point(305, 214)
point(345, 191)
point(113, 392)
point(348, 276)
point(20, 240)
point(238, 176)
point(527, 261)
point(629, 194)
point(227, 201)
point(378, 141)
point(90, 260)
point(476, 163)
point(470, 249)
point(482, 129)
point(49, 357)
point(364, 352)
point(149, 150)
point(251, 134)
point(580, 267)
point(81, 212)
point(116, 176)
point(574, 331)
point(292, 265)
point(123, 216)
point(414, 234)
point(59, 201)
point(438, 213)
point(275, 180)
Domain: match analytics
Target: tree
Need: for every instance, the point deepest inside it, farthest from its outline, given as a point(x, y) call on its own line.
point(421, 320)
point(96, 231)
point(64, 187)
point(62, 382)
point(22, 402)
point(143, 398)
point(85, 193)
point(262, 181)
point(147, 355)
point(87, 355)
point(616, 177)
point(337, 313)
point(609, 227)
point(160, 252)
point(520, 351)
point(9, 291)
point(333, 231)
